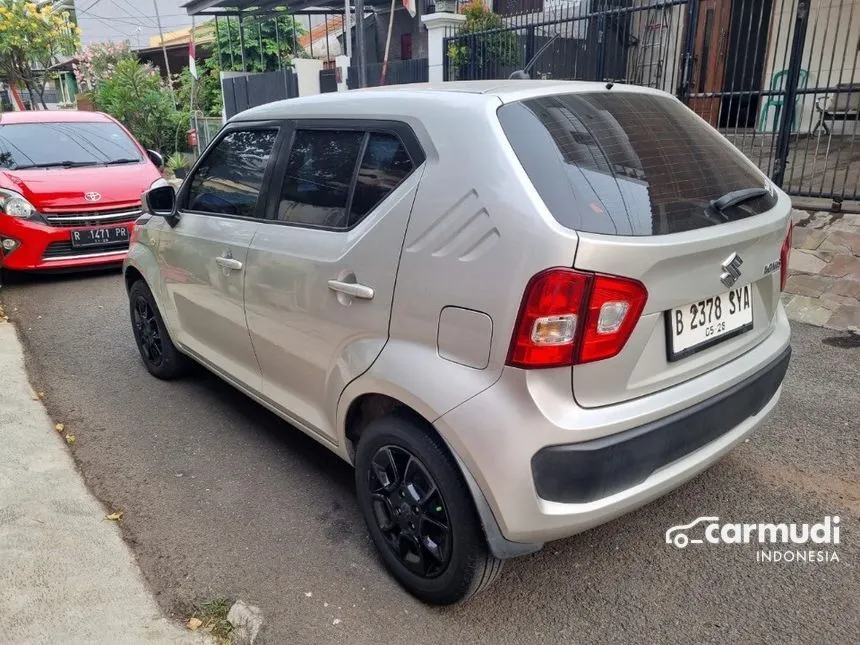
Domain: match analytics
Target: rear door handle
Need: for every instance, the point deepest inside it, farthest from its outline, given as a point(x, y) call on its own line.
point(229, 263)
point(351, 289)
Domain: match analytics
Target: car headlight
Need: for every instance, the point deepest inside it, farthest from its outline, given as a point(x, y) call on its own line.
point(14, 205)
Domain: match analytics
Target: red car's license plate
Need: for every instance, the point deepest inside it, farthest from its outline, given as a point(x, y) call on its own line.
point(82, 238)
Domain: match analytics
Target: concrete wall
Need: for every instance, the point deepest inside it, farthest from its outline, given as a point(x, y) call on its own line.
point(321, 50)
point(831, 52)
point(308, 73)
point(377, 30)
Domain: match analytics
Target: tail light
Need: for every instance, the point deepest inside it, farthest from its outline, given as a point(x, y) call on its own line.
point(571, 317)
point(784, 256)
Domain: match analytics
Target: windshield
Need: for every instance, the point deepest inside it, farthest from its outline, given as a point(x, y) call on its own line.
point(34, 145)
point(625, 163)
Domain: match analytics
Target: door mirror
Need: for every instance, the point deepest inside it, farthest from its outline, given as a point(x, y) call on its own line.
point(161, 201)
point(156, 158)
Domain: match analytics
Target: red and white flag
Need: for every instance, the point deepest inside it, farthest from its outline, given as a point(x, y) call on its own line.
point(192, 64)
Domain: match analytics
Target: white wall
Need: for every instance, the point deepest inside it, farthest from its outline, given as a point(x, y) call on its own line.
point(308, 74)
point(556, 10)
point(321, 52)
point(830, 53)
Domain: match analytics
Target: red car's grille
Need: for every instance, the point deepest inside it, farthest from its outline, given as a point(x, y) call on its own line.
point(93, 218)
point(65, 250)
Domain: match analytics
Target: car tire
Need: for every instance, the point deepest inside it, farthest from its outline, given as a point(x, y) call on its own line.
point(159, 354)
point(435, 566)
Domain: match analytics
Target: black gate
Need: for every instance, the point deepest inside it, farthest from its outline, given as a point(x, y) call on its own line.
point(251, 90)
point(328, 80)
point(398, 73)
point(776, 77)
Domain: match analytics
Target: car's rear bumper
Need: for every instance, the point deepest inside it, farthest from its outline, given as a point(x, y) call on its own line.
point(583, 472)
point(44, 247)
point(549, 469)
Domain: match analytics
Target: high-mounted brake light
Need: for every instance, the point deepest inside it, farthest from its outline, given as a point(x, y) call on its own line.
point(785, 256)
point(569, 317)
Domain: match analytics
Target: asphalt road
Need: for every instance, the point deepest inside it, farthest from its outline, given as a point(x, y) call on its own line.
point(223, 499)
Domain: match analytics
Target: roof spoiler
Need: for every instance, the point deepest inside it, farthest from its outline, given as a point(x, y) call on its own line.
point(524, 73)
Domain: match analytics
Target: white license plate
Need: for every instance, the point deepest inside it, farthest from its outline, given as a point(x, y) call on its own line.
point(709, 321)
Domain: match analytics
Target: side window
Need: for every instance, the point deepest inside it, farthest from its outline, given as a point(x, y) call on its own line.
point(320, 173)
point(385, 164)
point(229, 180)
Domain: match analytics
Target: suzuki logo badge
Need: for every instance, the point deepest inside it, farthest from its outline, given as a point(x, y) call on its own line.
point(92, 197)
point(731, 269)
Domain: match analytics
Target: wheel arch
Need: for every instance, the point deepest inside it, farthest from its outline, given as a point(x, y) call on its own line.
point(132, 274)
point(366, 407)
point(140, 265)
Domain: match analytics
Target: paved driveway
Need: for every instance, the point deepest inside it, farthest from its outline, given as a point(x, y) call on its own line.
point(222, 498)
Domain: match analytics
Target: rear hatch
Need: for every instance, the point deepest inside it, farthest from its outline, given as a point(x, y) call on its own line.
point(658, 196)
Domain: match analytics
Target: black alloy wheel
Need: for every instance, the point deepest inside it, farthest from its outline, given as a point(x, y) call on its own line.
point(147, 332)
point(409, 510)
point(160, 356)
point(419, 511)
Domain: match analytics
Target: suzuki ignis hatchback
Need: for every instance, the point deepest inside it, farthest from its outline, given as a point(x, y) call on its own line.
point(518, 308)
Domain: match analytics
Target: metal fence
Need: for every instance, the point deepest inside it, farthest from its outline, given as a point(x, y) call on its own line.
point(250, 90)
point(779, 78)
point(398, 73)
point(207, 128)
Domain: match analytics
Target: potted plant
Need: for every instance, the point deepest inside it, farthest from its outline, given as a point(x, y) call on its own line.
point(177, 165)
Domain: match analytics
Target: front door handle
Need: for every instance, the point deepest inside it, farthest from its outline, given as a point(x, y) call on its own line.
point(229, 263)
point(351, 289)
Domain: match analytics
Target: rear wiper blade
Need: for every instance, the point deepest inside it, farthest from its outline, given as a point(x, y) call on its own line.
point(113, 162)
point(737, 197)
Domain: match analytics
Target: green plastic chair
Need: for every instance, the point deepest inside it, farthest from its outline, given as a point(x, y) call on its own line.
point(777, 84)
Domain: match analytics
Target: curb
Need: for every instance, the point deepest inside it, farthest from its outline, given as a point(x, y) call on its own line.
point(66, 575)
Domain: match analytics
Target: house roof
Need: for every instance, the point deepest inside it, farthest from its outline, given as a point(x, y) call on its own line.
point(202, 33)
point(333, 26)
point(64, 63)
point(248, 7)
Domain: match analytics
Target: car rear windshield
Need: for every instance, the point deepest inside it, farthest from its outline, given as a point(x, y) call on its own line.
point(625, 163)
point(38, 145)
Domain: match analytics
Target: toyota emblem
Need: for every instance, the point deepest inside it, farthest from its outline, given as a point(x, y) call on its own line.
point(92, 196)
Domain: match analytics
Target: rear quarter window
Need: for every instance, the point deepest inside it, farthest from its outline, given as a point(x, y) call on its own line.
point(625, 163)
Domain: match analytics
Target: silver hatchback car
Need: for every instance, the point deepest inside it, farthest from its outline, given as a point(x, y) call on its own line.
point(518, 308)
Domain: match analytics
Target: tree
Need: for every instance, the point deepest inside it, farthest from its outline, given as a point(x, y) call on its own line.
point(137, 96)
point(268, 43)
point(475, 54)
point(207, 88)
point(97, 62)
point(31, 40)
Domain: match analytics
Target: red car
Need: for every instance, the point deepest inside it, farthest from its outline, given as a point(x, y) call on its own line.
point(70, 186)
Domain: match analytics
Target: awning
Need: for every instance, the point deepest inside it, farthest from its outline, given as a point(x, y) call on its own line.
point(248, 7)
